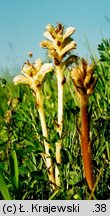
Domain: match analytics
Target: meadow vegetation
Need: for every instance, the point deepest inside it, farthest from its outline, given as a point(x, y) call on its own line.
point(41, 155)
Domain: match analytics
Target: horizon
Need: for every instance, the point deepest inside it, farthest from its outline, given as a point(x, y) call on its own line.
point(23, 24)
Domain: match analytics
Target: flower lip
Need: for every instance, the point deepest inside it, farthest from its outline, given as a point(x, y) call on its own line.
point(48, 36)
point(69, 31)
point(47, 44)
point(51, 30)
point(20, 79)
point(71, 45)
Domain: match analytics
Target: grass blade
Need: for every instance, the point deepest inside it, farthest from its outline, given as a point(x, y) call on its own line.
point(14, 172)
point(3, 188)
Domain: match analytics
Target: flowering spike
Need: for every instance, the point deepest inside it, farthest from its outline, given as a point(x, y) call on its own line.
point(58, 41)
point(33, 74)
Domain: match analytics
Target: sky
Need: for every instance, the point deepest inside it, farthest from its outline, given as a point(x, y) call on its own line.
point(22, 23)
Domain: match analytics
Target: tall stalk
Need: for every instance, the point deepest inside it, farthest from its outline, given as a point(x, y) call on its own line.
point(60, 123)
point(59, 44)
point(85, 146)
point(60, 100)
point(49, 163)
point(84, 82)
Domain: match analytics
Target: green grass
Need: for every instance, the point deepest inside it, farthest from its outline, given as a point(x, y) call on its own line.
point(25, 172)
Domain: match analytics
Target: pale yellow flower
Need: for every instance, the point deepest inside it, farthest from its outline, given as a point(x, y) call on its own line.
point(59, 42)
point(33, 74)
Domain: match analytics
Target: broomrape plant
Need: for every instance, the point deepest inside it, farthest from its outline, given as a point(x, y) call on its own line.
point(33, 75)
point(59, 44)
point(84, 81)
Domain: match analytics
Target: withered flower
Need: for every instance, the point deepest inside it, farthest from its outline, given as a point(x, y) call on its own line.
point(84, 80)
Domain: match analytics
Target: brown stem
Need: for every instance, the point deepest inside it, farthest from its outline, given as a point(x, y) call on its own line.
point(85, 147)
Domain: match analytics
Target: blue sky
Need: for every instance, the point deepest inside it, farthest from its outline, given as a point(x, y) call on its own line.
point(22, 23)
